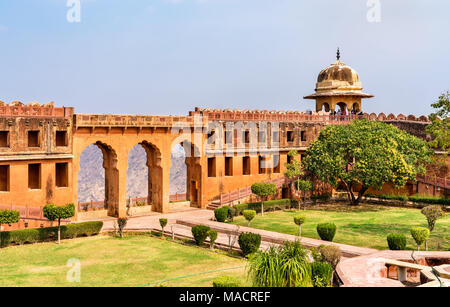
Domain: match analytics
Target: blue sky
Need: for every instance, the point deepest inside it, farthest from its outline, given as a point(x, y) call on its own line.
point(169, 56)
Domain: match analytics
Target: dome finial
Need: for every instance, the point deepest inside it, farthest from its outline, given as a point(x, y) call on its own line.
point(338, 54)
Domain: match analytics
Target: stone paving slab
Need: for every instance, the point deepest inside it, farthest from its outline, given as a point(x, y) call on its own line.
point(368, 270)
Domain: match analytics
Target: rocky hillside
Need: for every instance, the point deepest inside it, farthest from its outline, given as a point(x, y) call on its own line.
point(91, 179)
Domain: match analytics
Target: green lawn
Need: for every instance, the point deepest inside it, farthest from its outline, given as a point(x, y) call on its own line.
point(365, 225)
point(108, 261)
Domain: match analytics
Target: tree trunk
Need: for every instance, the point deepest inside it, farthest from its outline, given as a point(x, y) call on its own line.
point(262, 208)
point(59, 231)
point(426, 245)
point(300, 231)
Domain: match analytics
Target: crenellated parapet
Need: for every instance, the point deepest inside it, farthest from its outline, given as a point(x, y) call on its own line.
point(274, 115)
point(34, 109)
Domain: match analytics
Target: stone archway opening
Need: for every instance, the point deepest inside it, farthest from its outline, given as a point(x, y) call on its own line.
point(326, 107)
point(178, 175)
point(342, 107)
point(185, 174)
point(356, 108)
point(137, 177)
point(98, 179)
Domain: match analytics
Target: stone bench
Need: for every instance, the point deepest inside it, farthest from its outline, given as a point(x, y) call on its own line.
point(402, 268)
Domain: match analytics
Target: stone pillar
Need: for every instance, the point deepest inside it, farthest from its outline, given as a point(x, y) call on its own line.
point(122, 167)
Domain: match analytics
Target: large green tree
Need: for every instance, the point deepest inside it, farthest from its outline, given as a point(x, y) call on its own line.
point(440, 123)
point(366, 154)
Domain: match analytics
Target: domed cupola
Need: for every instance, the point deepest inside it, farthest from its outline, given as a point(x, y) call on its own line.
point(338, 85)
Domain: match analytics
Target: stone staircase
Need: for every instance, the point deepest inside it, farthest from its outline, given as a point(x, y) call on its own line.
point(215, 204)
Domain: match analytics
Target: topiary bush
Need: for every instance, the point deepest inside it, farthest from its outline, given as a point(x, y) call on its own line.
point(326, 231)
point(432, 213)
point(200, 233)
point(221, 214)
point(212, 234)
point(299, 220)
point(226, 282)
point(321, 274)
point(249, 215)
point(327, 253)
point(249, 243)
point(396, 241)
point(420, 235)
point(163, 222)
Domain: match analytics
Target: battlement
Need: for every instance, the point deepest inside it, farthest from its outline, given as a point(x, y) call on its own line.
point(107, 120)
point(265, 115)
point(34, 109)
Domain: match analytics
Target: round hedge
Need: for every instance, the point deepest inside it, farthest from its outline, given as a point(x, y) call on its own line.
point(249, 242)
point(221, 214)
point(200, 233)
point(299, 220)
point(396, 241)
point(420, 234)
point(326, 231)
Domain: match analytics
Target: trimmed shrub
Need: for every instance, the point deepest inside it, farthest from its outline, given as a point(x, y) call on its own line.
point(432, 213)
point(249, 243)
point(327, 253)
point(121, 223)
point(226, 282)
point(299, 220)
point(326, 231)
point(249, 215)
point(420, 235)
point(231, 213)
point(200, 233)
point(321, 274)
point(25, 236)
point(430, 200)
point(212, 234)
point(271, 204)
point(396, 241)
point(163, 223)
point(9, 217)
point(221, 214)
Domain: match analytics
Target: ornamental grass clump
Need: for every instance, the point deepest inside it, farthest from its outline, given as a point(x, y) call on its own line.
point(283, 266)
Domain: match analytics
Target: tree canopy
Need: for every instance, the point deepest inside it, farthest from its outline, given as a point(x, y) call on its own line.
point(366, 154)
point(440, 123)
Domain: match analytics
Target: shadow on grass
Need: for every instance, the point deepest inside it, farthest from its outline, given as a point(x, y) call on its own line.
point(347, 208)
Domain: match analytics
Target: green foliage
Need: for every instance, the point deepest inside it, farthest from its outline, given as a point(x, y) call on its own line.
point(271, 204)
point(293, 169)
point(249, 243)
point(303, 185)
point(212, 235)
point(9, 217)
point(200, 233)
point(440, 125)
point(299, 220)
point(323, 197)
point(53, 213)
point(326, 231)
point(25, 236)
point(121, 223)
point(226, 282)
point(420, 235)
point(231, 212)
point(388, 197)
point(321, 274)
point(327, 253)
point(249, 215)
point(432, 213)
point(163, 222)
point(283, 266)
point(263, 189)
point(368, 154)
point(221, 214)
point(396, 241)
point(430, 200)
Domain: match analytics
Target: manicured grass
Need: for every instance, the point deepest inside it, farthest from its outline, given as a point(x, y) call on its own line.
point(109, 261)
point(365, 225)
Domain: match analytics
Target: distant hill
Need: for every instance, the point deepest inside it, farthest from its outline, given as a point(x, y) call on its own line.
point(91, 178)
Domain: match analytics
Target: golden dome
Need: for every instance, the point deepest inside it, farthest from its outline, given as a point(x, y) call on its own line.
point(338, 72)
